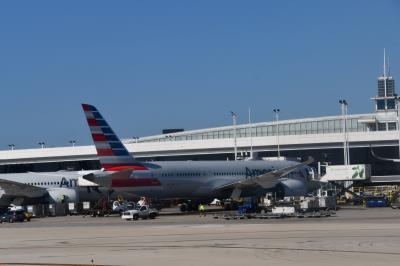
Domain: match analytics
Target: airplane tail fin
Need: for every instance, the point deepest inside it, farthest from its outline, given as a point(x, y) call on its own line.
point(112, 154)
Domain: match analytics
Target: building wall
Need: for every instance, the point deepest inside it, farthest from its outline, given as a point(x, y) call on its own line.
point(361, 155)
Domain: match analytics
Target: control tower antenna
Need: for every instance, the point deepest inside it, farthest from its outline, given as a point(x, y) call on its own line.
point(384, 62)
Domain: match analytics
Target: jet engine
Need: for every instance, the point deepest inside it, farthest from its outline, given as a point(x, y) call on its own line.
point(63, 195)
point(294, 187)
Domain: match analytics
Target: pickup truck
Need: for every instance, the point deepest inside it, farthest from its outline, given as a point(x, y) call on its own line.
point(143, 212)
point(121, 207)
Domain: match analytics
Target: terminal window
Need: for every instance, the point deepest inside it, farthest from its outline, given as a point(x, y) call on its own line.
point(381, 126)
point(380, 104)
point(381, 88)
point(391, 104)
point(391, 126)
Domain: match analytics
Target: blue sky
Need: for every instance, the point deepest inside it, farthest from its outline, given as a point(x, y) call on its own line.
point(149, 65)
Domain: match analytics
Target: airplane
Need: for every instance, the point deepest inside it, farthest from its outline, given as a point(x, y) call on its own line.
point(199, 181)
point(49, 187)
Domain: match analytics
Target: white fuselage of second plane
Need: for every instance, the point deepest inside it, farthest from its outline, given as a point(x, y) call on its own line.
point(61, 185)
point(47, 180)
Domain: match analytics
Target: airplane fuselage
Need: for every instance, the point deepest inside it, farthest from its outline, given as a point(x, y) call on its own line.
point(58, 185)
point(198, 179)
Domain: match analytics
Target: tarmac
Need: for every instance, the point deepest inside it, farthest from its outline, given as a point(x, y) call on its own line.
point(354, 236)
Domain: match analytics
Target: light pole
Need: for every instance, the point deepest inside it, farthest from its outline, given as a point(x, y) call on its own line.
point(12, 146)
point(397, 98)
point(346, 108)
point(73, 142)
point(343, 105)
point(276, 111)
point(251, 135)
point(234, 133)
point(42, 144)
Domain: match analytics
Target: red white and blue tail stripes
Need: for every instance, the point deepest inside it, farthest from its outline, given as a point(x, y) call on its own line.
point(112, 153)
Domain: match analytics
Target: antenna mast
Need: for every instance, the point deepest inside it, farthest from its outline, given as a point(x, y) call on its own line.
point(384, 62)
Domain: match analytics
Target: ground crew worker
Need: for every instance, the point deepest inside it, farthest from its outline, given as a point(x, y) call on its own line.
point(142, 201)
point(202, 209)
point(120, 199)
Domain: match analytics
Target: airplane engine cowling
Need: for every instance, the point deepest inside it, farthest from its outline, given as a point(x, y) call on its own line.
point(57, 195)
point(294, 187)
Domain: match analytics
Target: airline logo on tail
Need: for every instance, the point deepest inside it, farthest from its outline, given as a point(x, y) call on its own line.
point(112, 153)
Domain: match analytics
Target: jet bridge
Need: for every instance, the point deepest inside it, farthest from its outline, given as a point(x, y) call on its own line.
point(343, 176)
point(353, 172)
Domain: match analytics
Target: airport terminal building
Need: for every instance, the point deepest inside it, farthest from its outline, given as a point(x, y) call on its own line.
point(321, 138)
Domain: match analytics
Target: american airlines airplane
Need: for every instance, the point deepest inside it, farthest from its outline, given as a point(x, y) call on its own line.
point(200, 181)
point(50, 187)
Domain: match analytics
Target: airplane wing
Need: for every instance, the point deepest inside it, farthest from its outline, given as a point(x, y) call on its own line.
point(267, 180)
point(16, 189)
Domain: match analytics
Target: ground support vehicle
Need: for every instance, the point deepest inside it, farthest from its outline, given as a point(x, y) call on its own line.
point(143, 212)
point(395, 204)
point(376, 201)
point(121, 207)
point(275, 215)
point(290, 207)
point(15, 216)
